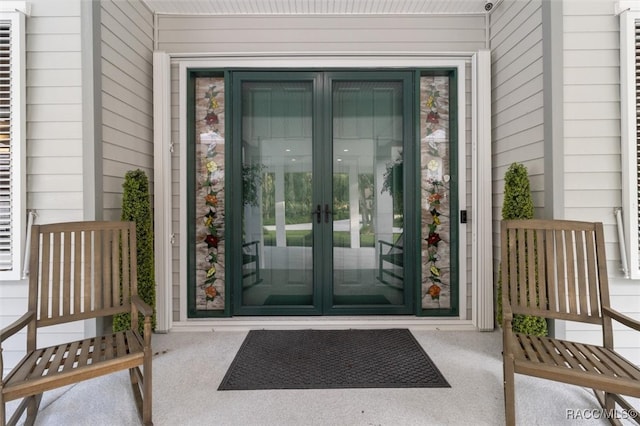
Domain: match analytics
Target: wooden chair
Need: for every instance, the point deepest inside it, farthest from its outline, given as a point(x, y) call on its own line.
point(251, 256)
point(567, 261)
point(76, 271)
point(392, 253)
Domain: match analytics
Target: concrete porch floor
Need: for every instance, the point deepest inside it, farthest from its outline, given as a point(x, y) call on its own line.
point(189, 366)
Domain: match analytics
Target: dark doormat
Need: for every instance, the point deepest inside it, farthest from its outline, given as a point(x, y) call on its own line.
point(326, 359)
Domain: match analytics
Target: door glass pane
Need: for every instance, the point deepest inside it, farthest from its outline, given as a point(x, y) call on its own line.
point(209, 188)
point(277, 250)
point(435, 164)
point(368, 216)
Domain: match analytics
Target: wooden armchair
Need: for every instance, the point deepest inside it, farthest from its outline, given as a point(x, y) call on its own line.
point(556, 269)
point(76, 272)
point(251, 256)
point(392, 253)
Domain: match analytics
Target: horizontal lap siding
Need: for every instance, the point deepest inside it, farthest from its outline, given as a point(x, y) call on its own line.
point(127, 98)
point(179, 34)
point(517, 80)
point(54, 111)
point(54, 139)
point(592, 118)
point(310, 34)
point(593, 185)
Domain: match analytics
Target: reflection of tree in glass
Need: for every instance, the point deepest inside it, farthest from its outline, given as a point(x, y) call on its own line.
point(367, 199)
point(269, 198)
point(251, 183)
point(297, 195)
point(340, 196)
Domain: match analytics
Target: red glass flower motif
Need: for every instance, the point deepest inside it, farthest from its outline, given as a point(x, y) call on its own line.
point(433, 239)
point(433, 117)
point(211, 118)
point(212, 241)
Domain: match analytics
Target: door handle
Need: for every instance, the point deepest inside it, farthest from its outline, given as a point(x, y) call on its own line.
point(318, 213)
point(327, 212)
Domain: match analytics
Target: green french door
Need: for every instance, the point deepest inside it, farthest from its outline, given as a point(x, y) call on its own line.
point(323, 222)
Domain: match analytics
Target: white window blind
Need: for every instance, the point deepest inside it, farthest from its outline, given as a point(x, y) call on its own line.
point(12, 197)
point(6, 245)
point(636, 128)
point(630, 130)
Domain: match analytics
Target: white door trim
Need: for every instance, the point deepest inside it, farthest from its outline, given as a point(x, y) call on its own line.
point(481, 269)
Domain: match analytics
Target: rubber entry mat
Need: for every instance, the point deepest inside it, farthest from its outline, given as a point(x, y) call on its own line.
point(325, 359)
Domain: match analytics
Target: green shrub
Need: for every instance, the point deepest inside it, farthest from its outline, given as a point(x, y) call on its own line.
point(136, 207)
point(518, 204)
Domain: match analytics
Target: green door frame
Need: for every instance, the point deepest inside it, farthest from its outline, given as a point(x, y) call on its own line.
point(410, 151)
point(411, 148)
point(237, 78)
point(322, 190)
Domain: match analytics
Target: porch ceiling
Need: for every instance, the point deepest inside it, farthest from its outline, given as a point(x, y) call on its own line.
point(318, 7)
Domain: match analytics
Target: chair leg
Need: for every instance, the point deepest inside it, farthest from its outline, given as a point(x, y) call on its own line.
point(509, 393)
point(608, 403)
point(32, 409)
point(142, 388)
point(29, 404)
point(147, 408)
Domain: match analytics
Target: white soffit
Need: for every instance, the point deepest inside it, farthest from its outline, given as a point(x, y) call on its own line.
point(318, 7)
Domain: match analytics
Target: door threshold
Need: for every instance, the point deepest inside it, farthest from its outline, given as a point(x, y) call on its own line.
point(327, 323)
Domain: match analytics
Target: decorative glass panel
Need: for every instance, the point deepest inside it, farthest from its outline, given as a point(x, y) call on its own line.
point(209, 197)
point(435, 195)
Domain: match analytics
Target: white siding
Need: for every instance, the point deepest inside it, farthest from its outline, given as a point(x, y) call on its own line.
point(55, 120)
point(54, 138)
point(517, 91)
point(318, 34)
point(180, 34)
point(592, 145)
point(591, 128)
point(127, 98)
point(517, 122)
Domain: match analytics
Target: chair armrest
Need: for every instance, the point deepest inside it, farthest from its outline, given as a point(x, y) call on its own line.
point(391, 245)
point(507, 313)
point(17, 325)
point(142, 306)
point(621, 318)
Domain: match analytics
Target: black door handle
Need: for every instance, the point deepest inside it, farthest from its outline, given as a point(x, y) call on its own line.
point(318, 213)
point(327, 212)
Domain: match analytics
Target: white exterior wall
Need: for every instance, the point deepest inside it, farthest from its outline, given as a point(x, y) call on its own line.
point(126, 96)
point(331, 35)
point(517, 90)
point(517, 125)
point(54, 141)
point(590, 125)
point(57, 120)
point(592, 147)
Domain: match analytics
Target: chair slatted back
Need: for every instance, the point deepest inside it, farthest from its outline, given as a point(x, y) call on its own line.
point(76, 269)
point(567, 261)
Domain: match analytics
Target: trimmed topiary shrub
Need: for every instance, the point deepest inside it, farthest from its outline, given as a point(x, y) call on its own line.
point(136, 207)
point(518, 204)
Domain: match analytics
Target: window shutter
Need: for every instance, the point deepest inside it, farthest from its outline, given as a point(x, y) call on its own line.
point(12, 133)
point(629, 231)
point(6, 171)
point(637, 123)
